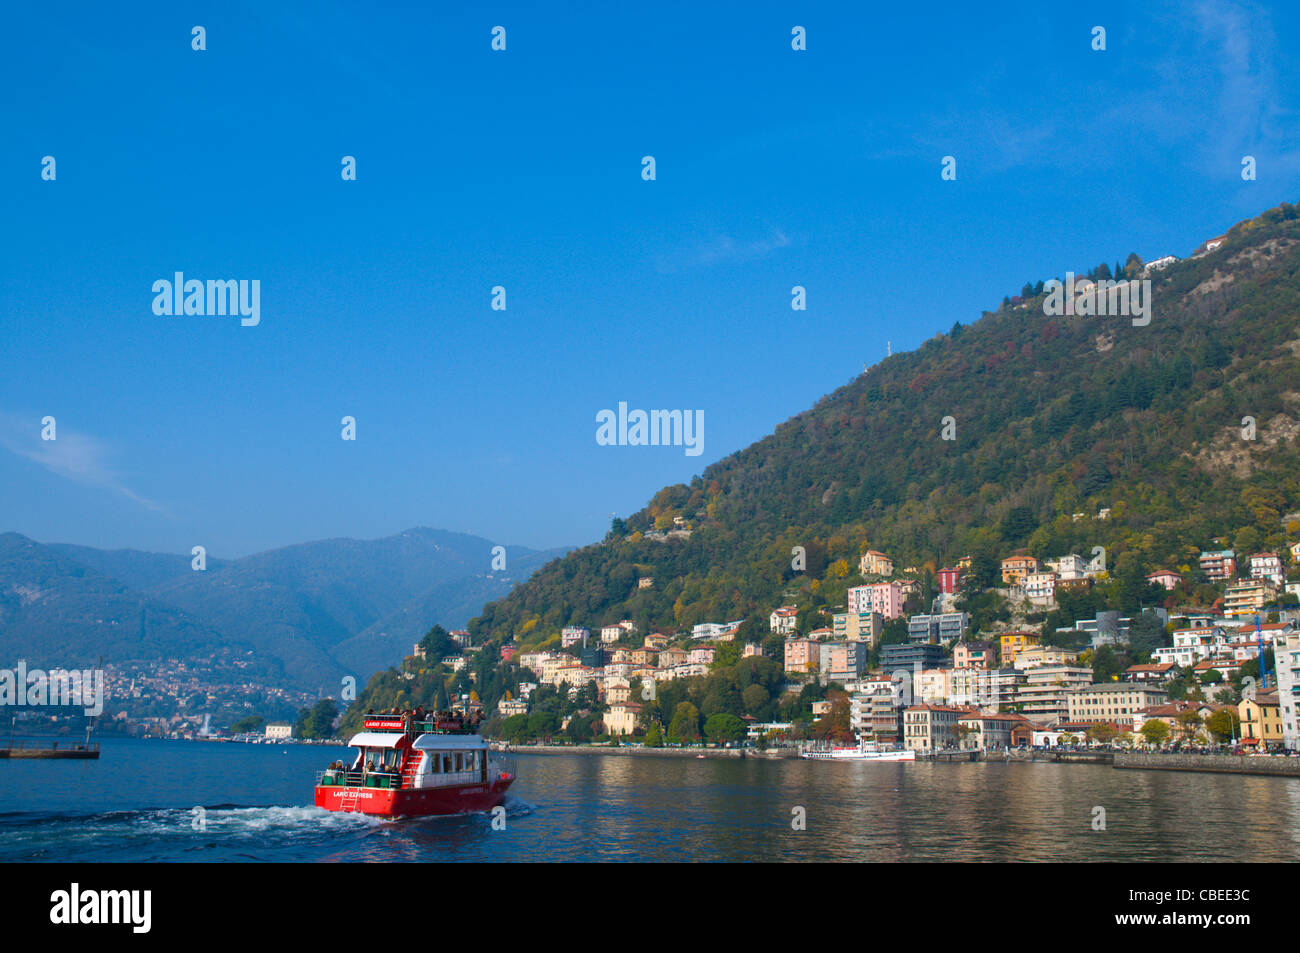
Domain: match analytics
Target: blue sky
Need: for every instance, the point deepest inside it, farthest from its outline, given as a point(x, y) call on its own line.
point(523, 169)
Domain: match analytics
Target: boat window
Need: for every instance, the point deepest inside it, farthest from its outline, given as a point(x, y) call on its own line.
point(447, 764)
point(460, 761)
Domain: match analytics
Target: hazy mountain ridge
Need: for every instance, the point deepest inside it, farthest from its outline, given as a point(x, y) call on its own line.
point(300, 608)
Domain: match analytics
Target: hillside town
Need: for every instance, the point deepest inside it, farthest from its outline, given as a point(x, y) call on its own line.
point(941, 684)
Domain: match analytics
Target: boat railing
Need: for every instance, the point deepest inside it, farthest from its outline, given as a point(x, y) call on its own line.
point(359, 779)
point(44, 745)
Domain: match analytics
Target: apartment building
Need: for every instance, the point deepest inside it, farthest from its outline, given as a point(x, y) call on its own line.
point(1267, 566)
point(940, 629)
point(1040, 587)
point(573, 634)
point(974, 654)
point(858, 626)
point(1219, 564)
point(1286, 660)
point(984, 688)
point(883, 597)
point(802, 656)
point(1248, 597)
point(1042, 699)
point(1113, 702)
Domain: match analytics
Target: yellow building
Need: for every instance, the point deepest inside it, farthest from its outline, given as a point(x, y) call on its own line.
point(1261, 720)
point(1015, 568)
point(1011, 643)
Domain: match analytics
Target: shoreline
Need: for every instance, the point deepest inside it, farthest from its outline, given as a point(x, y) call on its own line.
point(1123, 760)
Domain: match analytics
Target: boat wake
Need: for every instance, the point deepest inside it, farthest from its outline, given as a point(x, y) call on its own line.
point(233, 832)
point(218, 832)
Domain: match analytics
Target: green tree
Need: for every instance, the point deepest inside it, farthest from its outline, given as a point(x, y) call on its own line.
point(1155, 731)
point(722, 728)
point(318, 720)
point(1223, 724)
point(685, 726)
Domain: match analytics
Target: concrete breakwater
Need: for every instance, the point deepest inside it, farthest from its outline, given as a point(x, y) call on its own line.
point(1215, 763)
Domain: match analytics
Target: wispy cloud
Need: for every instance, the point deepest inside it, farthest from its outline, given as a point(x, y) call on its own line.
point(1199, 79)
point(721, 249)
point(75, 456)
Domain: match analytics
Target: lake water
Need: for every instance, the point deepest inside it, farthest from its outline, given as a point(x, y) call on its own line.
point(136, 803)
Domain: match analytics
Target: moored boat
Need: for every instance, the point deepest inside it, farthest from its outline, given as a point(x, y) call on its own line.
point(865, 751)
point(407, 766)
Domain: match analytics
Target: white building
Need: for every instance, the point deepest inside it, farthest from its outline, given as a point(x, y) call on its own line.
point(783, 620)
point(1040, 587)
point(1267, 566)
point(1286, 658)
point(573, 634)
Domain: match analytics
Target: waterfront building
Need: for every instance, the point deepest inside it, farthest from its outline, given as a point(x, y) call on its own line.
point(988, 731)
point(928, 728)
point(621, 719)
point(1286, 657)
point(1112, 702)
point(1261, 721)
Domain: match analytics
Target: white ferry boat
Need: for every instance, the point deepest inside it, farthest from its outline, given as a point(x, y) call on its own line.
point(865, 751)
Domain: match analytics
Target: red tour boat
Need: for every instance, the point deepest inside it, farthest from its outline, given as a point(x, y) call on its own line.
point(409, 767)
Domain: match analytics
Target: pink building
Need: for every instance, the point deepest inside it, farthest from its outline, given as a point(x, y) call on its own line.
point(974, 654)
point(883, 597)
point(802, 655)
point(1164, 577)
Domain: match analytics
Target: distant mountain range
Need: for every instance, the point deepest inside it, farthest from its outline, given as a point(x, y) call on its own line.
point(306, 615)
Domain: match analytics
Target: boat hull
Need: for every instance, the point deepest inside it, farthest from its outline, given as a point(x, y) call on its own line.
point(852, 754)
point(413, 802)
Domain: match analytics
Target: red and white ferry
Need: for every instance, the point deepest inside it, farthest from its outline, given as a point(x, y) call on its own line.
point(409, 767)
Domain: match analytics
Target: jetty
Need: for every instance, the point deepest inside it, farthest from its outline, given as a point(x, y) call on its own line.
point(22, 749)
